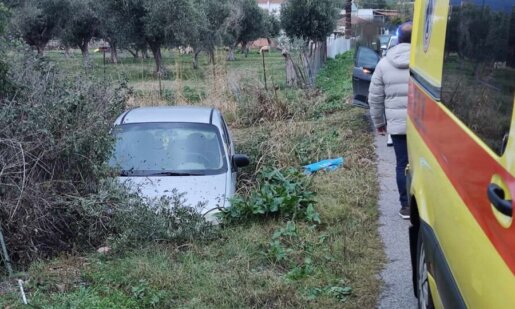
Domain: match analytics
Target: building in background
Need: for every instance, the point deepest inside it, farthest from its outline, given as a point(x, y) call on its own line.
point(272, 6)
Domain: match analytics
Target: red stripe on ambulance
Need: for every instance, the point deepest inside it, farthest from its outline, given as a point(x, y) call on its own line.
point(449, 142)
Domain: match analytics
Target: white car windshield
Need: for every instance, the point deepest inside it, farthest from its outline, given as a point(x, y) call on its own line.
point(168, 149)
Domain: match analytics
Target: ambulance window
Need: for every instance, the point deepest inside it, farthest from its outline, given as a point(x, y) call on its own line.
point(479, 67)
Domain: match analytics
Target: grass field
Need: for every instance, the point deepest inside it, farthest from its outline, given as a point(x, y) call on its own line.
point(333, 264)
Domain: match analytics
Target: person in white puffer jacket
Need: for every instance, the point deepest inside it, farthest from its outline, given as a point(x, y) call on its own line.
point(388, 100)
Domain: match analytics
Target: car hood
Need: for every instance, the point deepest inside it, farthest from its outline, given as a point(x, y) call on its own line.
point(202, 192)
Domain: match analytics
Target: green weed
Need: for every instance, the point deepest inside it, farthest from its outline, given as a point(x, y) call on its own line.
point(282, 193)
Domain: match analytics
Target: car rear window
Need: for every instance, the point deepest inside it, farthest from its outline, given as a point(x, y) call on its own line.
point(366, 58)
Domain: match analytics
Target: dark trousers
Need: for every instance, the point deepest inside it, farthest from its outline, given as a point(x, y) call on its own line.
point(400, 147)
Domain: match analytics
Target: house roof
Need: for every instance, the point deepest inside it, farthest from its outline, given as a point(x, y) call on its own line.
point(355, 20)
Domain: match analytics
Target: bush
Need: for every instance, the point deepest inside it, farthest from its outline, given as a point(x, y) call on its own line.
point(136, 221)
point(57, 192)
point(54, 144)
point(257, 105)
point(56, 189)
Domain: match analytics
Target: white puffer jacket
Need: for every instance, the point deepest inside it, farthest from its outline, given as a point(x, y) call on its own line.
point(388, 92)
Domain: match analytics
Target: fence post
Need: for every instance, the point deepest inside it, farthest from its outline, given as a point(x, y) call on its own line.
point(264, 69)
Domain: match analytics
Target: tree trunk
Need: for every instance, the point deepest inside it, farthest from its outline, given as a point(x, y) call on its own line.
point(134, 53)
point(114, 52)
point(84, 48)
point(211, 54)
point(292, 79)
point(323, 50)
point(67, 53)
point(317, 58)
point(145, 55)
point(348, 21)
point(195, 58)
point(230, 54)
point(41, 49)
point(244, 49)
point(156, 51)
point(307, 63)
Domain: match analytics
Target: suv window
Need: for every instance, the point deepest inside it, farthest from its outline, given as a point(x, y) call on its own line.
point(478, 72)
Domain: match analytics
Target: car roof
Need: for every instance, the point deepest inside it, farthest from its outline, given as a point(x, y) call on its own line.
point(168, 114)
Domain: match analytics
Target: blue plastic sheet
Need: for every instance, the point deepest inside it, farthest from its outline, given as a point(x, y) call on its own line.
point(326, 165)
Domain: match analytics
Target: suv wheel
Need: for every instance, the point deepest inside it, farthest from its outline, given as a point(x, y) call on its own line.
point(424, 293)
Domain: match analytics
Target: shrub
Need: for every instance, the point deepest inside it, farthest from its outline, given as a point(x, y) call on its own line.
point(136, 221)
point(257, 105)
point(56, 192)
point(54, 144)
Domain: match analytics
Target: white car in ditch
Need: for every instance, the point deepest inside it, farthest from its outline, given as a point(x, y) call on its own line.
point(188, 150)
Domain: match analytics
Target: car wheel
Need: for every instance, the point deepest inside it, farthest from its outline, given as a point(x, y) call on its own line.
point(425, 300)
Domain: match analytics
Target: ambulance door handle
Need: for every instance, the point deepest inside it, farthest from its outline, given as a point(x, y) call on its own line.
point(496, 196)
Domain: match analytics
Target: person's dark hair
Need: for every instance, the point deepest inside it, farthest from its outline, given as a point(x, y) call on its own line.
point(404, 32)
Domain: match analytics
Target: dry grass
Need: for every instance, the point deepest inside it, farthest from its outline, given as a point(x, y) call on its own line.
point(218, 90)
point(234, 270)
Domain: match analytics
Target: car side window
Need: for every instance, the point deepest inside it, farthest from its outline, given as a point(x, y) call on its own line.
point(227, 137)
point(478, 73)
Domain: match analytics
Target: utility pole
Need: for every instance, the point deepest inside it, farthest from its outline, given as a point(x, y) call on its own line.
point(348, 19)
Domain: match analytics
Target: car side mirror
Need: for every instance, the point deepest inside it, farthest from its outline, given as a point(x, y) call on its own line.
point(240, 160)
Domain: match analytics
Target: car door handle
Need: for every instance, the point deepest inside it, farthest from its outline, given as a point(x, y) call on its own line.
point(496, 196)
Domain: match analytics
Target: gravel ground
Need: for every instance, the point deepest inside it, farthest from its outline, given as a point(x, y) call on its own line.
point(398, 288)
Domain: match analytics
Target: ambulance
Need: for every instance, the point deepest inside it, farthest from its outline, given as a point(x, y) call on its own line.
point(461, 145)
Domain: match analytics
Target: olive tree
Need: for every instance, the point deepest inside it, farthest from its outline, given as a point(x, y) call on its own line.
point(80, 26)
point(310, 21)
point(272, 26)
point(131, 32)
point(167, 23)
point(37, 22)
point(111, 19)
point(210, 16)
point(157, 24)
point(246, 23)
